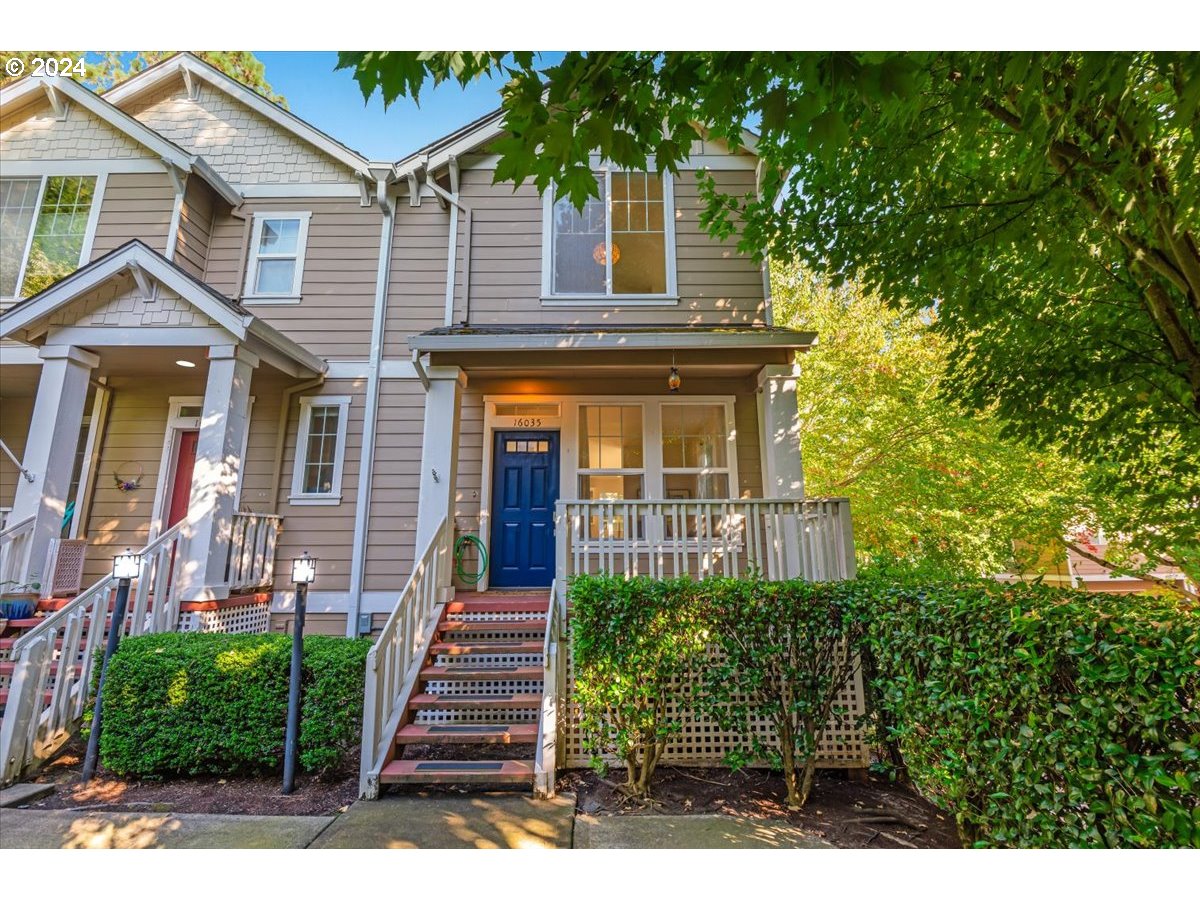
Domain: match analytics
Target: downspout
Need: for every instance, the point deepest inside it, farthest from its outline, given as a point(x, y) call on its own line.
point(362, 504)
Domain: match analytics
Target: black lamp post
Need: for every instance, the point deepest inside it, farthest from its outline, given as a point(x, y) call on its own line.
point(304, 570)
point(125, 568)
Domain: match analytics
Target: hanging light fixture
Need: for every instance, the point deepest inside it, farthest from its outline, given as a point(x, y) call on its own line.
point(673, 380)
point(599, 256)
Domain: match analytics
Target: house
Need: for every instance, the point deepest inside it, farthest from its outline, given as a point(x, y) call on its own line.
point(229, 339)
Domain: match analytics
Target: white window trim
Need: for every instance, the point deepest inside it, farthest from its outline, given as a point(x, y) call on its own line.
point(298, 497)
point(249, 295)
point(609, 300)
point(89, 234)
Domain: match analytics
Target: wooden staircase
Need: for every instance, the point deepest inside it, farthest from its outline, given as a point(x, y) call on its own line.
point(473, 716)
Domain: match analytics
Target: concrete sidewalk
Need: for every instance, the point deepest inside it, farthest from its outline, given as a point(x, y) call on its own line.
point(29, 829)
point(411, 821)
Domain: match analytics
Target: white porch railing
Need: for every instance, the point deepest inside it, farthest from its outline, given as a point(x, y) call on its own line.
point(252, 541)
point(778, 539)
point(394, 662)
point(163, 562)
point(14, 552)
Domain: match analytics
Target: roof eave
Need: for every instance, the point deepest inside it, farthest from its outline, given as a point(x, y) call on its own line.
point(427, 343)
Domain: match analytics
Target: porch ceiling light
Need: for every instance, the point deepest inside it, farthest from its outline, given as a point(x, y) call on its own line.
point(186, 363)
point(304, 569)
point(126, 565)
point(673, 380)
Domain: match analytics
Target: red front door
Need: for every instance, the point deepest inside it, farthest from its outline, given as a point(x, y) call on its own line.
point(181, 489)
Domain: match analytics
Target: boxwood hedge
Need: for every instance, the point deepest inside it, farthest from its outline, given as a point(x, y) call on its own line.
point(1043, 717)
point(216, 704)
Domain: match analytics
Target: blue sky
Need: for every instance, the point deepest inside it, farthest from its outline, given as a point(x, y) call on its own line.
point(332, 101)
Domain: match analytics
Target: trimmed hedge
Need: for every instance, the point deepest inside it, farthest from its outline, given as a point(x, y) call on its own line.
point(1042, 717)
point(216, 704)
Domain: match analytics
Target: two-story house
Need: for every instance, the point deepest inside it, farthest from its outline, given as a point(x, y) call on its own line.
point(229, 339)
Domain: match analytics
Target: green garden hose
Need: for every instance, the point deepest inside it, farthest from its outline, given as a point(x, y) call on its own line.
point(459, 546)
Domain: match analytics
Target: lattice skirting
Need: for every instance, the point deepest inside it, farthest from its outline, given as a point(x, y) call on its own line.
point(702, 743)
point(253, 617)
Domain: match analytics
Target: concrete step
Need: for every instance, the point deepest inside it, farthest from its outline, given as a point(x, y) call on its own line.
point(469, 733)
point(475, 701)
point(449, 771)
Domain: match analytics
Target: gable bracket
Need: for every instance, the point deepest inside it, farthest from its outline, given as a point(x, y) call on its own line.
point(414, 189)
point(57, 100)
point(364, 189)
point(142, 279)
point(192, 84)
point(178, 178)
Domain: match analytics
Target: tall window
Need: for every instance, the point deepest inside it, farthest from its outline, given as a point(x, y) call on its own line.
point(276, 267)
point(43, 230)
point(620, 244)
point(695, 455)
point(320, 450)
point(612, 464)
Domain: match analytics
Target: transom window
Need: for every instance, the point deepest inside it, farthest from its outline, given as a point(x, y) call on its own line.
point(620, 245)
point(45, 226)
point(277, 245)
point(320, 450)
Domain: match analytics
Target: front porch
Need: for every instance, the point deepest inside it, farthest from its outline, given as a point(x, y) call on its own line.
point(140, 383)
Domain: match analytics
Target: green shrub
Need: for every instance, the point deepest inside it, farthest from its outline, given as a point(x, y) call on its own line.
point(216, 704)
point(787, 650)
point(1042, 717)
point(631, 639)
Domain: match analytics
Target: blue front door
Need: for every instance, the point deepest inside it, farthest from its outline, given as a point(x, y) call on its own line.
point(524, 491)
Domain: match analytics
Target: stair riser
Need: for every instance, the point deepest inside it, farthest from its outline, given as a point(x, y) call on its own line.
point(483, 615)
point(478, 686)
point(487, 660)
point(468, 716)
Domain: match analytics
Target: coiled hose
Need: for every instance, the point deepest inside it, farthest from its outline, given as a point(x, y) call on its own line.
point(459, 546)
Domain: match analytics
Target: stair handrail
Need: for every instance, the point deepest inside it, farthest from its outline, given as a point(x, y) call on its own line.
point(394, 660)
point(546, 757)
point(9, 536)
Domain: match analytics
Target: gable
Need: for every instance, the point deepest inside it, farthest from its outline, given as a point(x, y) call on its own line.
point(119, 303)
point(241, 145)
point(38, 134)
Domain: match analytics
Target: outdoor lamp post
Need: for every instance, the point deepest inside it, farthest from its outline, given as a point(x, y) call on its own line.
point(125, 568)
point(304, 570)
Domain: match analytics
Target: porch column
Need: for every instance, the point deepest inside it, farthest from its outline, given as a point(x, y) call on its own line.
point(50, 451)
point(779, 419)
point(215, 476)
point(782, 467)
point(439, 453)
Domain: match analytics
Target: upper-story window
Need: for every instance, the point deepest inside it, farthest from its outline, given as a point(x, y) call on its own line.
point(621, 245)
point(46, 225)
point(276, 265)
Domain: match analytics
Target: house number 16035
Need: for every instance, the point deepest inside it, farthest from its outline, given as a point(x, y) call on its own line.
point(528, 423)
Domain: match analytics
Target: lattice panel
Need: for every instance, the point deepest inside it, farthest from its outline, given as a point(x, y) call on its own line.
point(495, 716)
point(488, 660)
point(252, 618)
point(702, 742)
point(68, 568)
point(489, 686)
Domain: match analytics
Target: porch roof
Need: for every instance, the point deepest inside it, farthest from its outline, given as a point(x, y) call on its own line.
point(484, 338)
point(31, 320)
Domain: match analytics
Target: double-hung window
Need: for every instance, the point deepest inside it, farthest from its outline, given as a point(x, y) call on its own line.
point(276, 265)
point(46, 225)
point(621, 245)
point(320, 450)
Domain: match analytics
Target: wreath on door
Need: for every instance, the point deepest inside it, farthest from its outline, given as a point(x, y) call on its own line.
point(128, 476)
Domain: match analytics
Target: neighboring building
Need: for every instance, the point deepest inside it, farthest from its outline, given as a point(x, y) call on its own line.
point(228, 338)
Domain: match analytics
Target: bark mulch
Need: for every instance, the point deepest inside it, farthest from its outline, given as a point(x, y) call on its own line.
point(847, 813)
point(233, 796)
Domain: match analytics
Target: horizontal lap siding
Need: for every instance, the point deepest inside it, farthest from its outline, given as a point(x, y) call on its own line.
point(327, 532)
point(468, 485)
point(417, 279)
point(333, 319)
point(136, 206)
point(395, 485)
point(195, 228)
point(717, 284)
point(137, 421)
point(15, 413)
